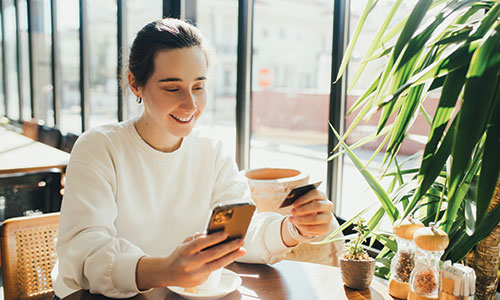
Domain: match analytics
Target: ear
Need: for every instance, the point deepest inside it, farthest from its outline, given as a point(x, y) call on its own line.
point(134, 87)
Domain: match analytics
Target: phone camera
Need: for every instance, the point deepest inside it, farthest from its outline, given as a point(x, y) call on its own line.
point(223, 216)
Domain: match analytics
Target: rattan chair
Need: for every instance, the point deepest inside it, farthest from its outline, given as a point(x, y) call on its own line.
point(28, 255)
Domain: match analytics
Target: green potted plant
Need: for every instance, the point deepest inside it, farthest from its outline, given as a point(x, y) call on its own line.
point(356, 266)
point(452, 47)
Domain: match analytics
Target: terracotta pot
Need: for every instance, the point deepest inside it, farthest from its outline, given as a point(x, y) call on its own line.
point(357, 274)
point(269, 187)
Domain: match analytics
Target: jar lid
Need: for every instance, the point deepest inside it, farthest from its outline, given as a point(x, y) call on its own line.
point(431, 238)
point(405, 228)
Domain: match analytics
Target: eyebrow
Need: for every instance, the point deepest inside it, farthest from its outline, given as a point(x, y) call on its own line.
point(170, 79)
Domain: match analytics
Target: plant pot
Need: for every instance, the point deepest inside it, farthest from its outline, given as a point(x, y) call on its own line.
point(357, 274)
point(269, 187)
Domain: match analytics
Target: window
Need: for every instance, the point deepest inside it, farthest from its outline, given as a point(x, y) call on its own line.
point(69, 49)
point(2, 79)
point(24, 59)
point(291, 86)
point(218, 20)
point(9, 15)
point(41, 52)
point(138, 15)
point(102, 62)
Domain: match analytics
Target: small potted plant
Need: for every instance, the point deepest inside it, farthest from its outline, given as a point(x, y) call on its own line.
point(356, 266)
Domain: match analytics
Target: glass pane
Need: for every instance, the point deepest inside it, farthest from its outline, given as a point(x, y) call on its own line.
point(11, 59)
point(102, 62)
point(354, 186)
point(291, 86)
point(218, 20)
point(25, 82)
point(42, 61)
point(138, 15)
point(2, 92)
point(69, 49)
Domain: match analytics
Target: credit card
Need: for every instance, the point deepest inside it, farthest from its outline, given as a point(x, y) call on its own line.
point(298, 192)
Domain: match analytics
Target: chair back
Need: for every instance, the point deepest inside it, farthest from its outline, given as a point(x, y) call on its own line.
point(50, 136)
point(67, 142)
point(24, 193)
point(30, 129)
point(28, 246)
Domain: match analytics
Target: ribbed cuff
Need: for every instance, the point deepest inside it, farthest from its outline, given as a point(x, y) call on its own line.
point(272, 238)
point(124, 269)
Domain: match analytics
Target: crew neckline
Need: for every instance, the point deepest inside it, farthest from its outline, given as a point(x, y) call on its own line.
point(145, 147)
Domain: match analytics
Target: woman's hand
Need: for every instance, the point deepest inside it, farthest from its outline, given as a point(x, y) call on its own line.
point(189, 265)
point(311, 214)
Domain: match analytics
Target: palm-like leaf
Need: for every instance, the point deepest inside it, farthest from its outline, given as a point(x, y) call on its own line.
point(455, 49)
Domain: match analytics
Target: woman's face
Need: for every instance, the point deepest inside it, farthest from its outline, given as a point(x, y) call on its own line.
point(175, 96)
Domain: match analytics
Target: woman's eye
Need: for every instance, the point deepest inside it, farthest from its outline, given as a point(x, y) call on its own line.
point(172, 90)
point(199, 88)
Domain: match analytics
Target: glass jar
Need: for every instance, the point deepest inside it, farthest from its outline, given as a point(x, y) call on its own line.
point(404, 260)
point(424, 279)
point(401, 267)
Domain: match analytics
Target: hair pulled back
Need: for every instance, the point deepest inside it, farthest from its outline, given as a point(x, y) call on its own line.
point(160, 35)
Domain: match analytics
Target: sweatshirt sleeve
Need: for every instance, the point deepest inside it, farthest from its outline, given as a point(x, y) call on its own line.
point(263, 241)
point(90, 256)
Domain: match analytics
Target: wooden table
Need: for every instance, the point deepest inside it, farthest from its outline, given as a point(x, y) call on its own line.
point(284, 280)
point(22, 154)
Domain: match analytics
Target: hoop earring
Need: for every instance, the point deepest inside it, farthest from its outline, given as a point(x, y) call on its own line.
point(138, 100)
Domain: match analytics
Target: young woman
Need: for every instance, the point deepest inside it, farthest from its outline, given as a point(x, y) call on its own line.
point(138, 191)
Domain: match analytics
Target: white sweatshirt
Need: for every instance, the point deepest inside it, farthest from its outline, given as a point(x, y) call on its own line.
point(124, 199)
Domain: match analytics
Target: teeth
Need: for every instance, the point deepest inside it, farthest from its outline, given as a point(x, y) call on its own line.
point(182, 119)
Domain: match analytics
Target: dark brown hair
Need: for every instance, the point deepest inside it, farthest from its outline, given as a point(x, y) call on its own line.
point(159, 35)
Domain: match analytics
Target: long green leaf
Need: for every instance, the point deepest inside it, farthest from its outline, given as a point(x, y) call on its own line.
point(485, 53)
point(370, 138)
point(457, 196)
point(463, 246)
point(341, 228)
point(414, 20)
point(375, 219)
point(459, 57)
point(449, 95)
point(369, 6)
point(365, 95)
point(490, 169)
point(376, 42)
point(487, 21)
point(434, 168)
point(478, 96)
point(386, 202)
point(391, 244)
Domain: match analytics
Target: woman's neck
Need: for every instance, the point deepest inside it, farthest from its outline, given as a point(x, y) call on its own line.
point(155, 137)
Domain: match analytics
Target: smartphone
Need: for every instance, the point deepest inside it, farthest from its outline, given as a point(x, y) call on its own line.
point(232, 218)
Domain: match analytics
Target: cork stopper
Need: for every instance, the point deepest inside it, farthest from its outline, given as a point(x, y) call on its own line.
point(405, 228)
point(431, 238)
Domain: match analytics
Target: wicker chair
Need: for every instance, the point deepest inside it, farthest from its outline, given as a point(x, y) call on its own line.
point(28, 247)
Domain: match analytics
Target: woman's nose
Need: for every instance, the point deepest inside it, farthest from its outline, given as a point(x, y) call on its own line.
point(189, 102)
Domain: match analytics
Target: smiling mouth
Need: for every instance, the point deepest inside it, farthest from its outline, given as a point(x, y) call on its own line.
point(182, 120)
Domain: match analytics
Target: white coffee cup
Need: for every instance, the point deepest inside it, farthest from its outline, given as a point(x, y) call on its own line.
point(212, 281)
